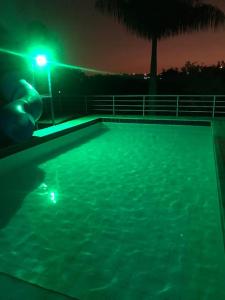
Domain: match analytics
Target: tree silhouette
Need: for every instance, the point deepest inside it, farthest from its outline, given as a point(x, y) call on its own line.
point(157, 19)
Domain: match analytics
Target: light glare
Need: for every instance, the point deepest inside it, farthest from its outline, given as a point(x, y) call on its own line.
point(41, 60)
point(52, 197)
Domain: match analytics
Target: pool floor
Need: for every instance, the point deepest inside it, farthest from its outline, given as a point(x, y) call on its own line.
point(130, 214)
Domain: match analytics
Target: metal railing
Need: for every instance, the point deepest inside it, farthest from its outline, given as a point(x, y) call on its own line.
point(143, 105)
point(177, 105)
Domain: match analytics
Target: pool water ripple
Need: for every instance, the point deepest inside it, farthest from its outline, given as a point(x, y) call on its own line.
point(132, 214)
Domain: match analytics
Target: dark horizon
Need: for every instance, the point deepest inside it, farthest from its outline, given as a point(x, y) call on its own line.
point(92, 40)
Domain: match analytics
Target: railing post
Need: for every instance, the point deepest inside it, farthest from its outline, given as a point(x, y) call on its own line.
point(143, 105)
point(50, 96)
point(86, 105)
point(114, 105)
point(214, 104)
point(177, 106)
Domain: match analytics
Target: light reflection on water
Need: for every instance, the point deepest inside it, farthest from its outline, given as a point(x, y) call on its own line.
point(137, 218)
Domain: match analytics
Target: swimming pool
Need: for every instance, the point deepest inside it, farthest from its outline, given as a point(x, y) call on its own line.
point(116, 211)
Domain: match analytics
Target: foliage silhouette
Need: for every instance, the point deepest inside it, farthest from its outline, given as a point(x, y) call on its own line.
point(154, 20)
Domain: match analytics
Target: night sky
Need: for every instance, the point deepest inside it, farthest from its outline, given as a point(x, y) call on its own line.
point(92, 40)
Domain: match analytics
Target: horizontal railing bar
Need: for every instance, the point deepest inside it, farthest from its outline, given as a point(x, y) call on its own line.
point(102, 109)
point(156, 105)
point(127, 100)
point(147, 95)
point(137, 100)
point(129, 110)
point(158, 100)
point(196, 106)
point(160, 105)
point(160, 110)
point(117, 96)
point(138, 95)
point(102, 100)
point(99, 96)
point(152, 99)
point(181, 100)
point(121, 105)
point(140, 100)
point(117, 106)
point(94, 105)
point(194, 111)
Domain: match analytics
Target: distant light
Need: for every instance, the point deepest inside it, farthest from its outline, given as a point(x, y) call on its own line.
point(41, 60)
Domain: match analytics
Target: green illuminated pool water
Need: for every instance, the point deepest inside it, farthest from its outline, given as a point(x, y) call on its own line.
point(130, 214)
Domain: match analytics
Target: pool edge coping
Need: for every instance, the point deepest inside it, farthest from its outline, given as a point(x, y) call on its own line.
point(219, 168)
point(37, 140)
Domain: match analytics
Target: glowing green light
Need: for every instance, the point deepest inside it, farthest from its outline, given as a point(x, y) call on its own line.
point(41, 60)
point(34, 53)
point(19, 108)
point(52, 197)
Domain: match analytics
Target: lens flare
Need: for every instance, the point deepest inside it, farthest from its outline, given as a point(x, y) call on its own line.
point(42, 60)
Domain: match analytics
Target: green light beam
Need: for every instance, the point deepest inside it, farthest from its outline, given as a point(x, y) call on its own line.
point(54, 63)
point(72, 67)
point(13, 52)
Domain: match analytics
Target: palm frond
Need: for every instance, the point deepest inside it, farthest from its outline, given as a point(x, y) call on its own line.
point(148, 18)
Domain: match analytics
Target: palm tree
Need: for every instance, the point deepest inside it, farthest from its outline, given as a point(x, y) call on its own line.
point(157, 19)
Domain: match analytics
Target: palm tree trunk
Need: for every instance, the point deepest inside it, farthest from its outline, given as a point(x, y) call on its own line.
point(153, 67)
point(153, 72)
